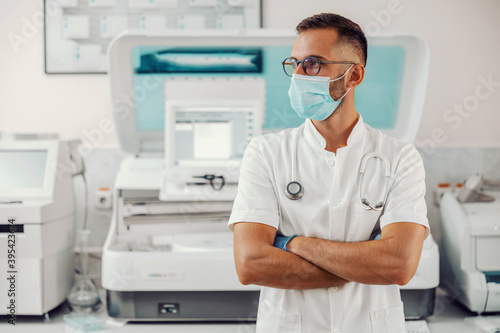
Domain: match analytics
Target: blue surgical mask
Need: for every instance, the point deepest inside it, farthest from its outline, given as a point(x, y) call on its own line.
point(310, 96)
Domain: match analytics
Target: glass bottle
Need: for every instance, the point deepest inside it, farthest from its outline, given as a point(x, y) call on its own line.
point(84, 296)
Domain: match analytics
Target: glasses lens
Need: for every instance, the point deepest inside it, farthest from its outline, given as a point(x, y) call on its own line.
point(288, 65)
point(312, 65)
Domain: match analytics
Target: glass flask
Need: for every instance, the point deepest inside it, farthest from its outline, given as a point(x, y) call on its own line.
point(84, 296)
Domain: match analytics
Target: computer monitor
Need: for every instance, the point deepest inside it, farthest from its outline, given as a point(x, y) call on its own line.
point(28, 169)
point(207, 136)
point(22, 168)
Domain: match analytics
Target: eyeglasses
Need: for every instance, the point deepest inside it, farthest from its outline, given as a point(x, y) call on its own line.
point(217, 182)
point(310, 65)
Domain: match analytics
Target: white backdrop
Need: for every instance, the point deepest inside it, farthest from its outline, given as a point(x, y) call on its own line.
point(463, 96)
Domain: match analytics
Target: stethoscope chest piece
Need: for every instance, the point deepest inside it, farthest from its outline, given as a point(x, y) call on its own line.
point(294, 190)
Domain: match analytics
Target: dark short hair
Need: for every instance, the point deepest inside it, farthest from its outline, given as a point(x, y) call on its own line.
point(350, 33)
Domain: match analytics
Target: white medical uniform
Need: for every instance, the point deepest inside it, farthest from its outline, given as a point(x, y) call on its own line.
point(329, 209)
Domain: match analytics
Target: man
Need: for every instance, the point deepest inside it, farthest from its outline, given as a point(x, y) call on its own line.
point(333, 277)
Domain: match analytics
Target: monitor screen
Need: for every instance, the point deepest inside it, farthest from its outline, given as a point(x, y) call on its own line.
point(211, 137)
point(21, 169)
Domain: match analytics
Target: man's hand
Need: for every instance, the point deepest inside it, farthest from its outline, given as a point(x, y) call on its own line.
point(391, 260)
point(259, 262)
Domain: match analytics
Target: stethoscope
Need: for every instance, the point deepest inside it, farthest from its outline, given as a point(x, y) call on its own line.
point(362, 169)
point(294, 190)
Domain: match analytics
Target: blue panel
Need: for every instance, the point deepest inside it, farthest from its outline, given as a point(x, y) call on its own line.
point(208, 60)
point(279, 113)
point(377, 98)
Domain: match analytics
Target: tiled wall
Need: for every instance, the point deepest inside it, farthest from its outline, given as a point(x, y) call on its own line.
point(101, 168)
point(451, 165)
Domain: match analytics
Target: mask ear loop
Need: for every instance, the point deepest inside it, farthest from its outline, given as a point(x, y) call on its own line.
point(339, 79)
point(347, 71)
point(343, 95)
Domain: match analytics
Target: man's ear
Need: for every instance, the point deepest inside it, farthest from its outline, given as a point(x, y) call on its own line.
point(356, 75)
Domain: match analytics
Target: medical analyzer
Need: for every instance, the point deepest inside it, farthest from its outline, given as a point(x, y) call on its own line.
point(470, 270)
point(37, 201)
point(186, 104)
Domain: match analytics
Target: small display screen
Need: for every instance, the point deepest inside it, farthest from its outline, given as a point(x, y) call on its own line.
point(212, 138)
point(22, 168)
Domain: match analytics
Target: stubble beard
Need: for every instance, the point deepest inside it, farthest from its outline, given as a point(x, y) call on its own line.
point(337, 90)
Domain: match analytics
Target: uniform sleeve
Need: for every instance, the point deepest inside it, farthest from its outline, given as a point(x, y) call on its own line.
point(405, 201)
point(256, 200)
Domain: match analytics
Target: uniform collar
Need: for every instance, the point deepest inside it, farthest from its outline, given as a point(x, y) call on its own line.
point(316, 139)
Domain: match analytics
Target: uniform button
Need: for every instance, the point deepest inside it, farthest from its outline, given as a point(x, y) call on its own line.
point(336, 202)
point(331, 162)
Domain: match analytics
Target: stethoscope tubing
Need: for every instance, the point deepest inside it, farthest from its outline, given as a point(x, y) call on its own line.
point(365, 204)
point(298, 194)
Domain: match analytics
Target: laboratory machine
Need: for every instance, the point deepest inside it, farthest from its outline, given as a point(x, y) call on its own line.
point(186, 104)
point(470, 269)
point(36, 223)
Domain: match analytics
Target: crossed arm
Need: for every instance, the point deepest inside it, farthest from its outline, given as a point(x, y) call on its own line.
point(318, 263)
point(259, 262)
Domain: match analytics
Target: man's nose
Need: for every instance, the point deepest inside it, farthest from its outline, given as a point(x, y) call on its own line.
point(299, 70)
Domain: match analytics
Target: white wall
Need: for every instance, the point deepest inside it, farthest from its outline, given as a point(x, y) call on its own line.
point(462, 36)
point(31, 100)
point(464, 42)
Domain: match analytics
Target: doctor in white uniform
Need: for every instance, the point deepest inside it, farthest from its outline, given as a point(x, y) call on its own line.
point(333, 277)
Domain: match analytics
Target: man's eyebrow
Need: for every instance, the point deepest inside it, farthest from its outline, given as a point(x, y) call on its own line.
point(312, 55)
point(317, 56)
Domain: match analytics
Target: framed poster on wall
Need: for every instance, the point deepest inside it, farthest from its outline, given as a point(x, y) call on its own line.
point(78, 32)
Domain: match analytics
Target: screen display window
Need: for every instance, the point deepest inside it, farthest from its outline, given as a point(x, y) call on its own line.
point(211, 138)
point(22, 169)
